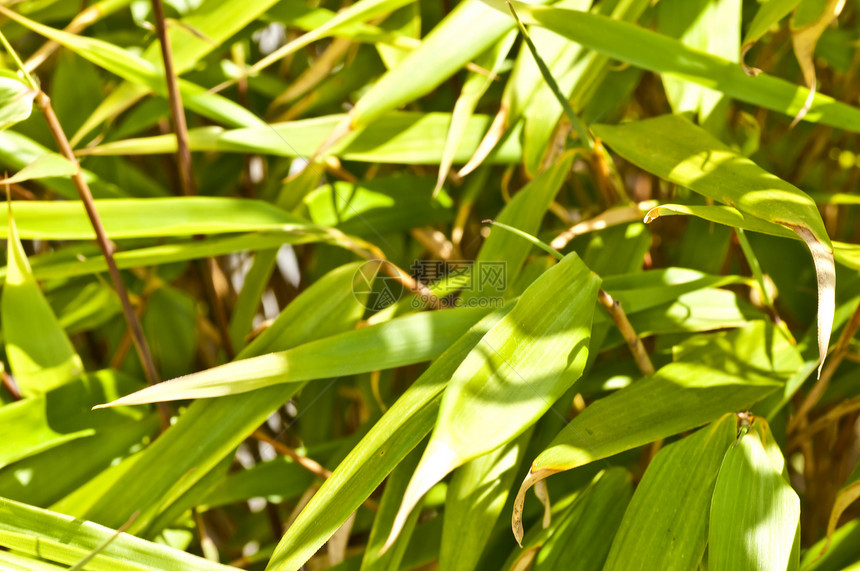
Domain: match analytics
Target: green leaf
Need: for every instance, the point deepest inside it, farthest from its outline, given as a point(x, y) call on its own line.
point(448, 47)
point(45, 166)
point(524, 212)
point(643, 290)
point(665, 526)
point(40, 355)
point(134, 68)
point(474, 87)
point(209, 430)
point(191, 38)
point(16, 100)
point(769, 13)
point(152, 218)
point(43, 421)
point(73, 262)
point(396, 137)
point(755, 513)
point(255, 284)
point(725, 215)
point(407, 340)
point(67, 540)
point(582, 539)
point(399, 430)
point(374, 559)
point(476, 495)
point(378, 206)
point(97, 445)
point(674, 149)
point(654, 52)
point(706, 381)
point(692, 22)
point(523, 365)
point(18, 151)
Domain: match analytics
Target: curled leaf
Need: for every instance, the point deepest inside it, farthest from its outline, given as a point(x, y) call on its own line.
point(16, 101)
point(804, 36)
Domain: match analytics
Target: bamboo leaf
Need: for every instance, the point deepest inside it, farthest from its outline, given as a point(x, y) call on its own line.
point(725, 215)
point(692, 23)
point(704, 383)
point(85, 261)
point(410, 339)
point(399, 430)
point(136, 69)
point(448, 47)
point(583, 538)
point(49, 165)
point(473, 89)
point(675, 149)
point(769, 13)
point(665, 526)
point(524, 212)
point(512, 377)
point(210, 430)
point(755, 514)
point(157, 217)
point(476, 495)
point(654, 52)
point(40, 354)
point(397, 137)
point(373, 560)
point(43, 421)
point(191, 38)
point(67, 540)
point(16, 100)
point(18, 151)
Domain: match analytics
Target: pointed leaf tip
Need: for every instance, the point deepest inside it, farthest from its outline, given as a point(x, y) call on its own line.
point(532, 479)
point(825, 271)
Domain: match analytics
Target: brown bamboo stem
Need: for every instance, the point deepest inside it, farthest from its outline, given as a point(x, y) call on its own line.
point(186, 173)
point(617, 314)
point(107, 247)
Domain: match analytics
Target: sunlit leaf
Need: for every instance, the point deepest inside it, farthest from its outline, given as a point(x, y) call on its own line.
point(399, 430)
point(754, 511)
point(665, 526)
point(63, 539)
point(703, 384)
point(39, 352)
point(16, 101)
point(43, 167)
point(512, 376)
point(690, 157)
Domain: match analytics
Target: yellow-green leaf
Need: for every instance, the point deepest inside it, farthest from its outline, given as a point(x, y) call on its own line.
point(39, 352)
point(674, 149)
point(523, 365)
point(755, 513)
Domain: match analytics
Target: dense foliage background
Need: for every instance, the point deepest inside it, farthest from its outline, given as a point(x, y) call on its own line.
point(432, 278)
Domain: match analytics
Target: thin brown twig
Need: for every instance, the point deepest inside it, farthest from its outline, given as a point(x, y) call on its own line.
point(617, 314)
point(838, 354)
point(9, 383)
point(842, 409)
point(308, 464)
point(180, 127)
point(303, 461)
point(107, 247)
point(186, 173)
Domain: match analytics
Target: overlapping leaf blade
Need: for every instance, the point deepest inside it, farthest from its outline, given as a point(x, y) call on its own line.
point(512, 376)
